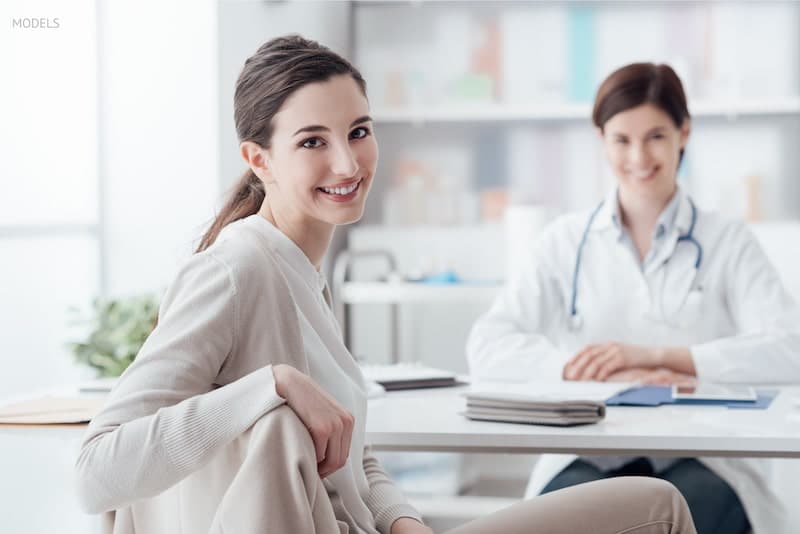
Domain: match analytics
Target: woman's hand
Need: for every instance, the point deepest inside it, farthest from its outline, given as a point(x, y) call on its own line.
point(407, 525)
point(598, 362)
point(330, 425)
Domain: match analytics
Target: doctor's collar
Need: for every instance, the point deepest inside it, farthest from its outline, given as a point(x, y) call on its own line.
point(676, 214)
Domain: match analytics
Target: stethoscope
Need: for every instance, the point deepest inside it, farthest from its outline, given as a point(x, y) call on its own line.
point(575, 319)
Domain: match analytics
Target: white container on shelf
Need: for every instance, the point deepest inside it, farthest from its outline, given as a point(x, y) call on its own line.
point(523, 224)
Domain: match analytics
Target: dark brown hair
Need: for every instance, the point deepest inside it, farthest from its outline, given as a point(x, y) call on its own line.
point(279, 67)
point(637, 84)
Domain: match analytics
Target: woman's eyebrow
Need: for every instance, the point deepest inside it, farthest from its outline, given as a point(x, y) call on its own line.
point(320, 128)
point(657, 129)
point(360, 120)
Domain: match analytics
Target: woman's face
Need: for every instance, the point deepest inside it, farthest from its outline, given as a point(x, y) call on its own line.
point(643, 147)
point(322, 155)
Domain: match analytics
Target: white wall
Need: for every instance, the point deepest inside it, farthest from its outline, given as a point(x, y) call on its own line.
point(158, 73)
point(48, 187)
point(146, 172)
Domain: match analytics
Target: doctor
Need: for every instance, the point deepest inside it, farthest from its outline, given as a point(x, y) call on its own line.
point(647, 286)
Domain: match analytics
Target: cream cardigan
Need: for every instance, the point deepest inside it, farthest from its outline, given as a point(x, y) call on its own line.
point(204, 376)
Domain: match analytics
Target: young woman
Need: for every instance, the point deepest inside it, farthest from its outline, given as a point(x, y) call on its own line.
point(648, 287)
point(244, 411)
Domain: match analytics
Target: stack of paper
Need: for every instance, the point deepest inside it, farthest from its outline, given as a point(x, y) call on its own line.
point(50, 410)
point(546, 403)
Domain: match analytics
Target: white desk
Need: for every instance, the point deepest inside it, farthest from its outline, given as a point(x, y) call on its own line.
point(38, 460)
point(430, 420)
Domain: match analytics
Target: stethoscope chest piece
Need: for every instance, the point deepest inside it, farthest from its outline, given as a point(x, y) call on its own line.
point(575, 322)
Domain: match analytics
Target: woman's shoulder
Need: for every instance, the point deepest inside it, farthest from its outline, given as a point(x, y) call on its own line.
point(566, 229)
point(247, 257)
point(717, 225)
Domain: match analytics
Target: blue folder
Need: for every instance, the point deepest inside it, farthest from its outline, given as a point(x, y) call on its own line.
point(658, 395)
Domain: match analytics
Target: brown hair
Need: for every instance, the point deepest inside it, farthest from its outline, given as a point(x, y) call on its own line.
point(641, 83)
point(279, 67)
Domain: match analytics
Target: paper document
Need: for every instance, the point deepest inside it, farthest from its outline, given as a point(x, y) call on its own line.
point(555, 390)
point(50, 410)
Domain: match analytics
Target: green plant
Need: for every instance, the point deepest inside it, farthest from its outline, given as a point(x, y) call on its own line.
point(118, 329)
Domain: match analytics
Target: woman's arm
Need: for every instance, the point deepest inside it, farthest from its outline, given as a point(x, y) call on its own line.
point(164, 419)
point(386, 502)
point(767, 347)
point(602, 360)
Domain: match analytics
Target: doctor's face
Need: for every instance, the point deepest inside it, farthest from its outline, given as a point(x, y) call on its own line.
point(643, 147)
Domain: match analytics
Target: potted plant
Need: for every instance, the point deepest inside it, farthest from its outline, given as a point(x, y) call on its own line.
point(118, 329)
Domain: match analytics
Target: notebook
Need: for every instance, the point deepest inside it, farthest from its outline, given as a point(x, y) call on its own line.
point(408, 376)
point(560, 403)
point(528, 408)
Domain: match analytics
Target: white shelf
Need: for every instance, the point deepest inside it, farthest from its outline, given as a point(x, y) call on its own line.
point(364, 292)
point(493, 112)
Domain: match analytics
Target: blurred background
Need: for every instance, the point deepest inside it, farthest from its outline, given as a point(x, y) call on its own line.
point(117, 144)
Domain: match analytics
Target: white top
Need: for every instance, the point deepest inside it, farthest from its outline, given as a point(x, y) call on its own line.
point(733, 312)
point(204, 376)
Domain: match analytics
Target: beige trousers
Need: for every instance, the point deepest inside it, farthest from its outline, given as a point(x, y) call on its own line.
point(290, 497)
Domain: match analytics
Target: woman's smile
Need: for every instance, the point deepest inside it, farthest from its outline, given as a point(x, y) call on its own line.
point(342, 192)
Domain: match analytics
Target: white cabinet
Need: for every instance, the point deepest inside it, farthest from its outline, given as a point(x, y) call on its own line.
point(493, 99)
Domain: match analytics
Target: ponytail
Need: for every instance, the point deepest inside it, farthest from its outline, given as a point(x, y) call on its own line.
point(245, 199)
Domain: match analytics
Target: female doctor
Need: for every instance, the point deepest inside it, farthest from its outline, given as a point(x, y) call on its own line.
point(647, 287)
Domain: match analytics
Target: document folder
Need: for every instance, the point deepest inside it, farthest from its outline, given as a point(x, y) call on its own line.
point(658, 395)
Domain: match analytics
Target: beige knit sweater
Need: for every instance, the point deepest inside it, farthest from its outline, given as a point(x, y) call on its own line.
point(204, 376)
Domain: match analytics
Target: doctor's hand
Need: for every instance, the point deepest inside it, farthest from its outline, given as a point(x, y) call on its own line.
point(599, 361)
point(330, 425)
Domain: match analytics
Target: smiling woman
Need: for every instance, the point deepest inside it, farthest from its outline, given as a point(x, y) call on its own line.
point(647, 287)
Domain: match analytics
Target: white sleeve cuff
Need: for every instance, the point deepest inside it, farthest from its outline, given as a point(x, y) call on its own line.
point(708, 361)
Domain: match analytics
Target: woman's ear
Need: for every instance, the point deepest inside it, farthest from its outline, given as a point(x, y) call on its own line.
point(257, 158)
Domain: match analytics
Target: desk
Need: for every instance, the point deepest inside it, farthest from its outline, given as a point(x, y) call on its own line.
point(430, 420)
point(37, 461)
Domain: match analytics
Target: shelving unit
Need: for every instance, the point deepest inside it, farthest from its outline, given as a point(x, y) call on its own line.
point(406, 292)
point(491, 112)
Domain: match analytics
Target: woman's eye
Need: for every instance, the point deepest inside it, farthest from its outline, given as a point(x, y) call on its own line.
point(658, 136)
point(314, 142)
point(359, 133)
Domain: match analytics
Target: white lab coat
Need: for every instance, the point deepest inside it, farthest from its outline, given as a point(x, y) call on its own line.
point(737, 319)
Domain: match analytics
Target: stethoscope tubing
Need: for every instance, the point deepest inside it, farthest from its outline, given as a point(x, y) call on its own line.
point(575, 319)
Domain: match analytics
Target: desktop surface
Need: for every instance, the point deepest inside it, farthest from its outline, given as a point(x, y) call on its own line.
point(432, 420)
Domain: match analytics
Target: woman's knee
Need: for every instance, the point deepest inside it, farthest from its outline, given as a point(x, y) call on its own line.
point(661, 494)
point(652, 487)
point(282, 432)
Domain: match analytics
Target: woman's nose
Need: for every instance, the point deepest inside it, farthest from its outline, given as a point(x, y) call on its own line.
point(344, 162)
point(638, 157)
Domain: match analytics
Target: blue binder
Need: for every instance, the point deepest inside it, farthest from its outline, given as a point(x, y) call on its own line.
point(658, 395)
